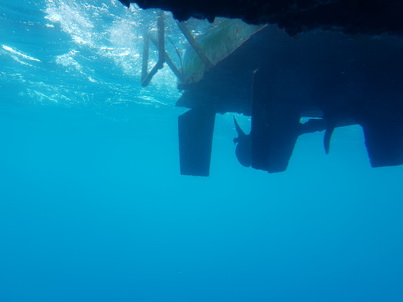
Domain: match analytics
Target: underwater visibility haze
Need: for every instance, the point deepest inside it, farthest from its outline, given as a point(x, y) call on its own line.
point(93, 206)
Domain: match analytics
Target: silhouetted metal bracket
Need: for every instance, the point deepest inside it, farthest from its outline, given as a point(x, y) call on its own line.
point(168, 60)
point(146, 76)
point(163, 56)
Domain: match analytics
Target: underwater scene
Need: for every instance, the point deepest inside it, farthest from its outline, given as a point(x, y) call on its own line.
point(93, 205)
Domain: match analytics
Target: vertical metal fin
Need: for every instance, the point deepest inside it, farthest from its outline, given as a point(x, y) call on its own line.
point(195, 129)
point(275, 128)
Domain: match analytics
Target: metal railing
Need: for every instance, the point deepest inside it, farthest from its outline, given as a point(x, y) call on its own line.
point(163, 56)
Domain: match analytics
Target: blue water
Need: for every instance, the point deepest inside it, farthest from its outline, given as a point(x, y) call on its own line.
point(93, 208)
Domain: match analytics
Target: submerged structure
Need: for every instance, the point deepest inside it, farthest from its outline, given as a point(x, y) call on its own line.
point(349, 16)
point(261, 71)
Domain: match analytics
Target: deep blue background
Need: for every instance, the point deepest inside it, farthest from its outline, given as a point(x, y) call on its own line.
point(92, 206)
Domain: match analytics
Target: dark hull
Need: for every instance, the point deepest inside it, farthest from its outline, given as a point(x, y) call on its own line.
point(319, 73)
